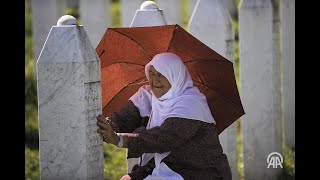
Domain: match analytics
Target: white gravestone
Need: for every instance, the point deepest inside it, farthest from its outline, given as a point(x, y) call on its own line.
point(260, 87)
point(211, 23)
point(288, 69)
point(128, 9)
point(172, 10)
point(69, 100)
point(95, 18)
point(148, 15)
point(44, 14)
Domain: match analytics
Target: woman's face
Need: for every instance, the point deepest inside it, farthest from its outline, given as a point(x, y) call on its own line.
point(158, 83)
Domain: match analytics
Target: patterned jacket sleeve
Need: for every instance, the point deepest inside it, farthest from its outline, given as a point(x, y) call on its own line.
point(127, 119)
point(170, 135)
point(140, 172)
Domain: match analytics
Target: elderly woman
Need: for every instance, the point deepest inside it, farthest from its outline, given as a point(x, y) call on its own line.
point(169, 125)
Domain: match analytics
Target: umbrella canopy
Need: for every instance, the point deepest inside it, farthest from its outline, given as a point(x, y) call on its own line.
point(124, 52)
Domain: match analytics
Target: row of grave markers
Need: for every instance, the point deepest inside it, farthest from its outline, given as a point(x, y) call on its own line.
point(46, 12)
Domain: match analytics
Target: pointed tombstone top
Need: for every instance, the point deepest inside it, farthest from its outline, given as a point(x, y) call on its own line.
point(218, 14)
point(66, 20)
point(67, 42)
point(148, 15)
point(149, 5)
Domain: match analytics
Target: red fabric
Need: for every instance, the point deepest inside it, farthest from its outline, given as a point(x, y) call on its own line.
point(123, 52)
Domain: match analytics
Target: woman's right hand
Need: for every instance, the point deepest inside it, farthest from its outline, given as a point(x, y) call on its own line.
point(105, 129)
point(125, 177)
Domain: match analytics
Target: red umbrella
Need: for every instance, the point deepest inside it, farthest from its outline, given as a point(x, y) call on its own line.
point(124, 52)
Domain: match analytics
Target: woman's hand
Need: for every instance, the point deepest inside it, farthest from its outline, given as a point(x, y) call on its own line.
point(125, 177)
point(105, 129)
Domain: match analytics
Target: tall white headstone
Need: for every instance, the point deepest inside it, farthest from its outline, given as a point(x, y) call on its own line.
point(44, 14)
point(128, 9)
point(212, 24)
point(172, 10)
point(260, 88)
point(96, 18)
point(148, 15)
point(288, 69)
point(69, 100)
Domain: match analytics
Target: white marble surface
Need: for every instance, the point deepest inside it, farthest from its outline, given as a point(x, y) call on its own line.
point(288, 70)
point(69, 99)
point(212, 24)
point(148, 15)
point(128, 10)
point(96, 18)
point(172, 10)
point(260, 88)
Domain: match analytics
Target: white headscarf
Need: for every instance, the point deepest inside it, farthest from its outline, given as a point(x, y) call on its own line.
point(182, 100)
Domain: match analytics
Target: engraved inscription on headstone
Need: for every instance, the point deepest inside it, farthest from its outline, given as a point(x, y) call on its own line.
point(94, 139)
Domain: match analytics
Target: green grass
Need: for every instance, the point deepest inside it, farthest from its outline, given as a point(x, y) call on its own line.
point(32, 170)
point(289, 163)
point(114, 162)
